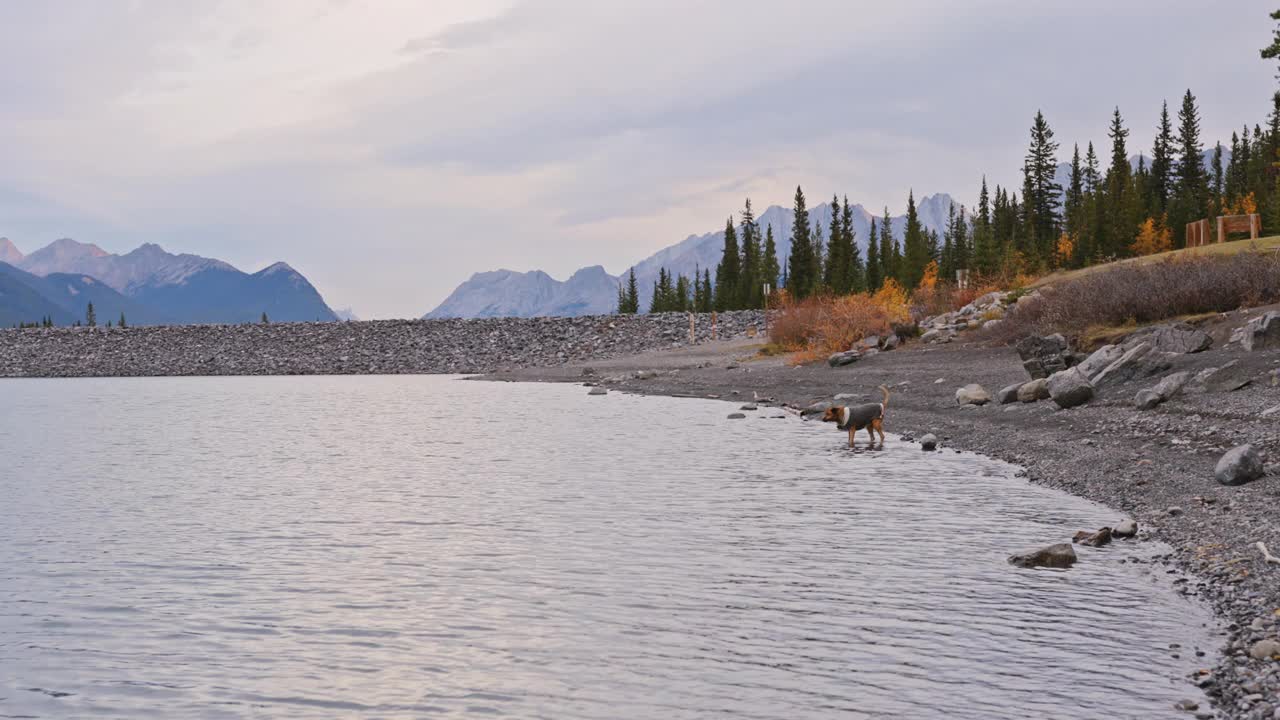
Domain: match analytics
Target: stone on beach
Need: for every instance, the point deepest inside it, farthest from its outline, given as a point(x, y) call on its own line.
point(1125, 529)
point(1069, 388)
point(1061, 555)
point(847, 357)
point(737, 416)
point(1239, 465)
point(1093, 539)
point(1030, 392)
point(929, 441)
point(972, 394)
point(1043, 356)
point(1262, 333)
point(1265, 649)
point(597, 390)
point(1008, 394)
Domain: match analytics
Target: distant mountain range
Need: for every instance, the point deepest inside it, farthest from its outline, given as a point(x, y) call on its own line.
point(149, 285)
point(592, 291)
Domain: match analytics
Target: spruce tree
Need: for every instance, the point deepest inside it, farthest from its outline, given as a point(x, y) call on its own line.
point(1191, 190)
point(800, 279)
point(727, 275)
point(856, 273)
point(1272, 51)
point(770, 270)
point(633, 292)
point(121, 323)
point(708, 298)
point(889, 262)
point(985, 258)
point(819, 260)
point(90, 317)
point(874, 268)
point(1215, 200)
point(835, 274)
point(946, 258)
point(681, 301)
point(1041, 197)
point(1121, 226)
point(915, 246)
point(1161, 165)
point(749, 279)
point(1073, 207)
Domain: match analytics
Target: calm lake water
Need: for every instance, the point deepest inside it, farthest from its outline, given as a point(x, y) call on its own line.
point(401, 547)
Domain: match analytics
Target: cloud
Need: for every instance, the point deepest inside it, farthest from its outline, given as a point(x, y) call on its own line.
point(389, 149)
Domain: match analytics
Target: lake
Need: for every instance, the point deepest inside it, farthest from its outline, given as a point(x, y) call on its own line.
point(424, 546)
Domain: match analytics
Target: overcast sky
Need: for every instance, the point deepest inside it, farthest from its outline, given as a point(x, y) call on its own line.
point(389, 148)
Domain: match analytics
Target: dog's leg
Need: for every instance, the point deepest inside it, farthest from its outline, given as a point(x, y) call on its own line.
point(852, 441)
point(878, 427)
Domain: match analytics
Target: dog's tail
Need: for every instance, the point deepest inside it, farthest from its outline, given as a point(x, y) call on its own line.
point(885, 392)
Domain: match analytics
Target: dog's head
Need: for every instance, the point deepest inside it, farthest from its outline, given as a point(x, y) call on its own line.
point(833, 414)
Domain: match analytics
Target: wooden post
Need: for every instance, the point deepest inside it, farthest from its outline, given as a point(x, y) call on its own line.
point(713, 325)
point(1255, 226)
point(1222, 228)
point(691, 326)
point(765, 306)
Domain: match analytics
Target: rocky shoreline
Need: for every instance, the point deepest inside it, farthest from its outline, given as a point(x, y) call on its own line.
point(352, 348)
point(1154, 462)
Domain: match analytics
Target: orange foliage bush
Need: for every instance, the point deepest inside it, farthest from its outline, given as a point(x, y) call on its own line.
point(1246, 205)
point(816, 327)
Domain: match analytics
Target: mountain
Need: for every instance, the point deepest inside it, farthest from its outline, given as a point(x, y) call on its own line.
point(154, 286)
point(9, 253)
point(20, 302)
point(347, 314)
point(591, 290)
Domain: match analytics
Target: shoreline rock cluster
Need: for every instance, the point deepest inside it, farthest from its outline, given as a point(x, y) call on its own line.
point(353, 348)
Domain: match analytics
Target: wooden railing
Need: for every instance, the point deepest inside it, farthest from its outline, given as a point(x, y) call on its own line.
point(1198, 230)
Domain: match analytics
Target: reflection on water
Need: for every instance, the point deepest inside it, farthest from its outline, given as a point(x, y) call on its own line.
point(421, 546)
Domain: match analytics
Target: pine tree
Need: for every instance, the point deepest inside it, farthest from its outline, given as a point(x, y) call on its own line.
point(800, 279)
point(947, 259)
point(622, 300)
point(727, 272)
point(1272, 51)
point(633, 292)
point(856, 273)
point(819, 259)
point(1117, 235)
point(1191, 188)
point(749, 280)
point(1161, 164)
point(681, 301)
point(915, 246)
point(121, 323)
point(708, 295)
point(265, 320)
point(770, 270)
point(985, 257)
point(1215, 200)
point(835, 275)
point(90, 317)
point(1073, 207)
point(890, 263)
point(874, 268)
point(1042, 194)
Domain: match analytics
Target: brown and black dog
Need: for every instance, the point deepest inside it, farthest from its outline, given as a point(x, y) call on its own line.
point(857, 417)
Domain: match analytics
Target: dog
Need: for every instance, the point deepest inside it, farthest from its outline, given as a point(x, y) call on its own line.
point(857, 417)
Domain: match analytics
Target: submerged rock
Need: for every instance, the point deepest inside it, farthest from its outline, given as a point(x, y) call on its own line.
point(1061, 555)
point(597, 390)
point(929, 441)
point(1239, 465)
point(1093, 539)
point(737, 416)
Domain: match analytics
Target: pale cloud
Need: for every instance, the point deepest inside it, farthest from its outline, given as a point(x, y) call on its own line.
point(389, 148)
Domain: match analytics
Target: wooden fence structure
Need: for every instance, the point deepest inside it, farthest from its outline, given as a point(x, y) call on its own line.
point(1198, 230)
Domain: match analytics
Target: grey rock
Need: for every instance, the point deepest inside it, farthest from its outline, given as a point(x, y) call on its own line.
point(1061, 555)
point(937, 335)
point(1043, 356)
point(1179, 338)
point(1008, 394)
point(890, 342)
point(868, 342)
point(1125, 529)
point(1239, 465)
point(972, 394)
point(1262, 333)
point(1093, 539)
point(1100, 359)
point(929, 441)
point(597, 390)
point(737, 416)
point(1171, 385)
point(1147, 400)
point(847, 357)
point(645, 374)
point(748, 406)
point(1265, 649)
point(1141, 360)
point(1227, 378)
point(1030, 392)
point(1069, 388)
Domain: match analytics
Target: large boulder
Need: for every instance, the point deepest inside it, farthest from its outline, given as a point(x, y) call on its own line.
point(1139, 361)
point(1147, 400)
point(1030, 392)
point(1240, 465)
point(1227, 378)
point(1061, 555)
point(1070, 388)
point(1008, 394)
point(1100, 359)
point(1179, 338)
point(1168, 387)
point(972, 394)
point(1262, 333)
point(1042, 356)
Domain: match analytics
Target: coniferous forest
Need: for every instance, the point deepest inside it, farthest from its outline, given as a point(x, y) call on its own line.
point(1107, 209)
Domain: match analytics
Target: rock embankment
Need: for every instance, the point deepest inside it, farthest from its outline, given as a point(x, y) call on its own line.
point(352, 348)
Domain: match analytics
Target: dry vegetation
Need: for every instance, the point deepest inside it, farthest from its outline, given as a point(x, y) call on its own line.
point(1133, 294)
